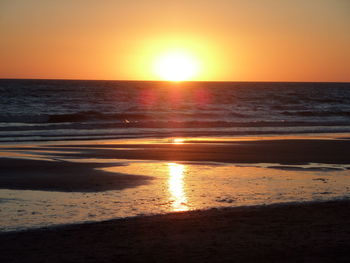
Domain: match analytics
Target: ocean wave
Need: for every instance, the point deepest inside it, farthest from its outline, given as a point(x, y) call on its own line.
point(317, 113)
point(164, 132)
point(130, 127)
point(94, 116)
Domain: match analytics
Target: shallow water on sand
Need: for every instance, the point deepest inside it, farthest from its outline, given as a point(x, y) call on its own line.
point(177, 186)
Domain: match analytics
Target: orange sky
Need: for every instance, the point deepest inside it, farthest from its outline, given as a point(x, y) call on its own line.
point(255, 40)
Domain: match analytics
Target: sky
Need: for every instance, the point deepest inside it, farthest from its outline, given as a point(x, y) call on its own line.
point(231, 40)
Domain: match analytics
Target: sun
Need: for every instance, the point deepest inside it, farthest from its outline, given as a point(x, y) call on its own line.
point(176, 66)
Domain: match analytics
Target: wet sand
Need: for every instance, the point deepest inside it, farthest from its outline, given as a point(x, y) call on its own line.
point(27, 174)
point(61, 175)
point(318, 232)
point(284, 151)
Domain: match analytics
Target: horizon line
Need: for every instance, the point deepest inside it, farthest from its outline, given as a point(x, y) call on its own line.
point(176, 82)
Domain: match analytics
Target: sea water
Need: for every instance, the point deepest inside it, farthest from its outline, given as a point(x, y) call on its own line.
point(33, 110)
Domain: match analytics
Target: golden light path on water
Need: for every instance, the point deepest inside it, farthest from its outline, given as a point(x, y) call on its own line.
point(176, 187)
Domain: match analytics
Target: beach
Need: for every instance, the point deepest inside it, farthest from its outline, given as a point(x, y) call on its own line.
point(317, 232)
point(273, 199)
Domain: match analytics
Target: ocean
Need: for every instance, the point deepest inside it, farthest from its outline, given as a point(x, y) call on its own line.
point(47, 110)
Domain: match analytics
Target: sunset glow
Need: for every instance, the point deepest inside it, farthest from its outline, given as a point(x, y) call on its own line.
point(176, 66)
point(227, 40)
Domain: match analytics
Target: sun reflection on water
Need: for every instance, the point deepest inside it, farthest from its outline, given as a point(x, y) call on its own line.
point(178, 141)
point(176, 187)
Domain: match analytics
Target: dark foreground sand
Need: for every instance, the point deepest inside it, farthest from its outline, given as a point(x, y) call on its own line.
point(318, 232)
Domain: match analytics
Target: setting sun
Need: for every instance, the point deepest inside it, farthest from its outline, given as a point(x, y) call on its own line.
point(176, 66)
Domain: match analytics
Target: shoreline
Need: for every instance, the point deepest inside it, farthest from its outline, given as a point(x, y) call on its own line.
point(167, 138)
point(160, 136)
point(316, 232)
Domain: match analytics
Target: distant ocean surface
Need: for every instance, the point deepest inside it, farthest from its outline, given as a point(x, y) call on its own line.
point(39, 110)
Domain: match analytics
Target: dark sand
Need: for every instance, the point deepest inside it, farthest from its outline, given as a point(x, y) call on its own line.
point(63, 176)
point(318, 232)
point(284, 151)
